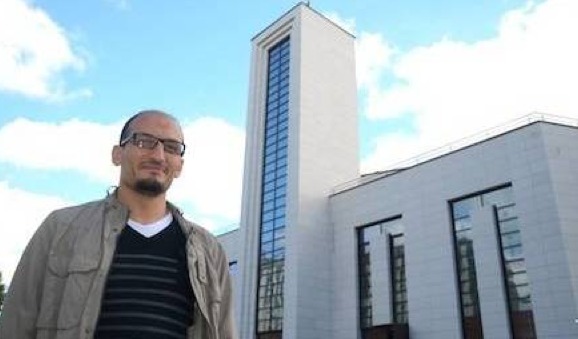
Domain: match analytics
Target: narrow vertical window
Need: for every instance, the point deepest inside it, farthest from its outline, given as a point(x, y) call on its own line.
point(398, 286)
point(364, 271)
point(274, 182)
point(515, 274)
point(470, 305)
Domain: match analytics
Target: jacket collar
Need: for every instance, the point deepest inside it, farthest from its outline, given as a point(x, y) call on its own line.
point(112, 203)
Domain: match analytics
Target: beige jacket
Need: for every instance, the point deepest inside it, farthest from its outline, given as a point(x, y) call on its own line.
point(57, 288)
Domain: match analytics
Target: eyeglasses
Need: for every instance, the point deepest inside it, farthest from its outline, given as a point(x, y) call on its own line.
point(147, 141)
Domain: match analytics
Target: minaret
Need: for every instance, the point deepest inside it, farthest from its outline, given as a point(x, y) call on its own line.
point(301, 141)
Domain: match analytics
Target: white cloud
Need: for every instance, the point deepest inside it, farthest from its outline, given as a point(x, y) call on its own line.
point(34, 52)
point(71, 145)
point(346, 24)
point(373, 56)
point(373, 53)
point(454, 89)
point(22, 213)
point(213, 171)
point(390, 147)
point(211, 179)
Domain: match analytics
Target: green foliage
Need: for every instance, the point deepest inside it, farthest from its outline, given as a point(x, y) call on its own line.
point(1, 291)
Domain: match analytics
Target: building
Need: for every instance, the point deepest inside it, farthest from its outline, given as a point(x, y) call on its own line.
point(480, 242)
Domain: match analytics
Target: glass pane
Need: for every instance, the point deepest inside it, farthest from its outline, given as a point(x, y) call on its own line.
point(462, 224)
point(511, 239)
point(266, 236)
point(268, 206)
point(498, 197)
point(512, 253)
point(509, 226)
point(264, 326)
point(515, 266)
point(463, 208)
point(506, 212)
point(520, 278)
point(266, 247)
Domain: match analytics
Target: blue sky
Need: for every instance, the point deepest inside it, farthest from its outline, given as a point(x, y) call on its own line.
point(429, 73)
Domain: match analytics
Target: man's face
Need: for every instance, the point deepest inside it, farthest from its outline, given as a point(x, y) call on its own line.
point(146, 171)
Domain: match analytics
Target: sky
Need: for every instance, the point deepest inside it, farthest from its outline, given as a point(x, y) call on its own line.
point(429, 73)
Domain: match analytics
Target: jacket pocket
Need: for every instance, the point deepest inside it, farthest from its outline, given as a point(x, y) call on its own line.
point(50, 304)
point(66, 288)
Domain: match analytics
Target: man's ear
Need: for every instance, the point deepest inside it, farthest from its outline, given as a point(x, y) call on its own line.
point(116, 155)
point(179, 170)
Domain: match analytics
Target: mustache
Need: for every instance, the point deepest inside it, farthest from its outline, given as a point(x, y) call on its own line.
point(153, 162)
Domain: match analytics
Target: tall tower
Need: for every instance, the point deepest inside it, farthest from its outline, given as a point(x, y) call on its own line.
point(301, 141)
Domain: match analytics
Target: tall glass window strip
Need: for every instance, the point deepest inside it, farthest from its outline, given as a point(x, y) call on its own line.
point(513, 262)
point(374, 276)
point(515, 274)
point(470, 305)
point(364, 271)
point(398, 285)
point(272, 227)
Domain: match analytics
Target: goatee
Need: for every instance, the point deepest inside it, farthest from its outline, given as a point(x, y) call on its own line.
point(149, 187)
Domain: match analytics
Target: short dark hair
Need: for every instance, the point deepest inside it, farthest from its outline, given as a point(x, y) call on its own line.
point(126, 129)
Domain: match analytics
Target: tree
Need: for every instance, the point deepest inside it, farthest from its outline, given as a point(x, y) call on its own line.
point(1, 291)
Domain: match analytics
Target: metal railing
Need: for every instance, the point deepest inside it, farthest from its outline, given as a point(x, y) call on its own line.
point(456, 145)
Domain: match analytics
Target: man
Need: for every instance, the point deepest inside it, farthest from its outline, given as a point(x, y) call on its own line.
point(128, 266)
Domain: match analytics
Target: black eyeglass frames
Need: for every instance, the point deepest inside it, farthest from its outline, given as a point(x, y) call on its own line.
point(149, 142)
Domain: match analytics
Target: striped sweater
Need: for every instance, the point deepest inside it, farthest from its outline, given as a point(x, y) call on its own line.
point(148, 294)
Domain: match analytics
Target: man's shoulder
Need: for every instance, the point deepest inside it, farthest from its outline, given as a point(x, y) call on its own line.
point(200, 233)
point(66, 214)
point(198, 229)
